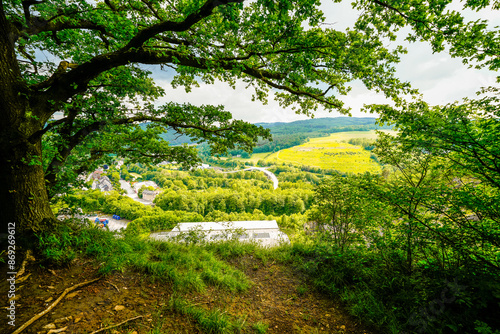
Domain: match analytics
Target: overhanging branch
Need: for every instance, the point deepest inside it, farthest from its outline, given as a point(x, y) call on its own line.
point(193, 18)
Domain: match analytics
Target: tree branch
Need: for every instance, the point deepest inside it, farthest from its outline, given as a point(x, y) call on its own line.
point(385, 5)
point(205, 11)
point(73, 140)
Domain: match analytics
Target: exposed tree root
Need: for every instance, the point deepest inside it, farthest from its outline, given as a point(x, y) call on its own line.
point(22, 279)
point(117, 325)
point(27, 257)
point(41, 314)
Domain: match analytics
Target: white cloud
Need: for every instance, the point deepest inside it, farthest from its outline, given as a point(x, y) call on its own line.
point(238, 101)
point(440, 78)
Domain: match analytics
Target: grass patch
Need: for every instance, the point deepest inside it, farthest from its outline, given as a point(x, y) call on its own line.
point(210, 321)
point(213, 321)
point(188, 267)
point(260, 327)
point(232, 249)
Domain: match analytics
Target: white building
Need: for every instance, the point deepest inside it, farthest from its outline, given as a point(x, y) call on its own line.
point(265, 232)
point(149, 195)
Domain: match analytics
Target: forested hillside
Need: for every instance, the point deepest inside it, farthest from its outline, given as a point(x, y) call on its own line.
point(323, 125)
point(285, 135)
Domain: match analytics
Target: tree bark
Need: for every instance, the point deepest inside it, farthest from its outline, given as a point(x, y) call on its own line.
point(23, 197)
point(23, 194)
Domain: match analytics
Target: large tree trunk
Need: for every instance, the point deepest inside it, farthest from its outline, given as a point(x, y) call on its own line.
point(23, 195)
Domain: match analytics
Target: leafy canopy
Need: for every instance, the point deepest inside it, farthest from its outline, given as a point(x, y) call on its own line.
point(83, 59)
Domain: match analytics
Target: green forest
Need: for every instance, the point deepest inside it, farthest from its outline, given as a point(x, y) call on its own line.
point(409, 245)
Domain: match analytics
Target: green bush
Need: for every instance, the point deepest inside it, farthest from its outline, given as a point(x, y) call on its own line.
point(376, 288)
point(162, 221)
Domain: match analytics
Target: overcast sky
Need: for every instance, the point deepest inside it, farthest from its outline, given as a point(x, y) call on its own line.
point(440, 78)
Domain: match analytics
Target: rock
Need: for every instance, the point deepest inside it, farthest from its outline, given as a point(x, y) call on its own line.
point(119, 307)
point(79, 317)
point(49, 326)
point(65, 319)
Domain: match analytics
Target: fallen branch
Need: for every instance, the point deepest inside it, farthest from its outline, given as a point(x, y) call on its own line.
point(47, 310)
point(53, 331)
point(113, 326)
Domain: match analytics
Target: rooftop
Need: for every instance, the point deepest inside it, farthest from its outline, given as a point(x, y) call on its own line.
point(265, 232)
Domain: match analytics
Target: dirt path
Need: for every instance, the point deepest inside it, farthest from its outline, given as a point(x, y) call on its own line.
point(279, 298)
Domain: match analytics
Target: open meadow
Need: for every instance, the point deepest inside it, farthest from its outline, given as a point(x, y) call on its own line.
point(254, 158)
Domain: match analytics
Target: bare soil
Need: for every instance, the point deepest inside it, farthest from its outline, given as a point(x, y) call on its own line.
point(279, 297)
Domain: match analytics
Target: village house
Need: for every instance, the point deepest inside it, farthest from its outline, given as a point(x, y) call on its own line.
point(96, 175)
point(149, 195)
point(103, 184)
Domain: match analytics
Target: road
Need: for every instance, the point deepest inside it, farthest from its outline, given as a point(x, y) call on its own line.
point(131, 193)
point(115, 224)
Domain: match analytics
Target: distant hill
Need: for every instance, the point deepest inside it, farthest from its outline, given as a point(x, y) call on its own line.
point(295, 133)
point(171, 136)
point(324, 125)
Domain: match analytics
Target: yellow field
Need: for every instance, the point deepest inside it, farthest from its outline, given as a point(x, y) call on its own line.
point(341, 136)
point(331, 153)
